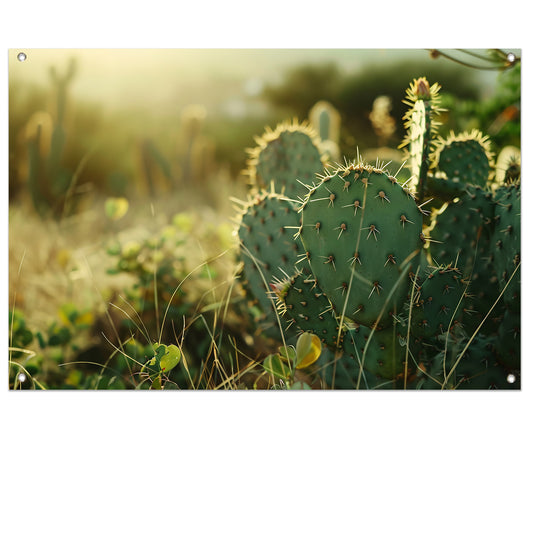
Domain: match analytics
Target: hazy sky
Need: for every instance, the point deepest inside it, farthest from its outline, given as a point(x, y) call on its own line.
point(162, 81)
point(121, 76)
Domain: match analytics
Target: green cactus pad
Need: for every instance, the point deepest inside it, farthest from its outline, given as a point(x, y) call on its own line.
point(345, 373)
point(288, 157)
point(435, 305)
point(474, 368)
point(382, 354)
point(466, 156)
point(506, 243)
point(508, 166)
point(507, 343)
point(301, 300)
point(461, 237)
point(459, 228)
point(268, 248)
point(362, 232)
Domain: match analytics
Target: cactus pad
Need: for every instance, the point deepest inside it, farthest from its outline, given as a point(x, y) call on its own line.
point(302, 301)
point(268, 248)
point(436, 302)
point(466, 156)
point(288, 157)
point(506, 242)
point(361, 231)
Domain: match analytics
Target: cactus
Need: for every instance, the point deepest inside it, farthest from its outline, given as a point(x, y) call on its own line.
point(326, 120)
point(421, 125)
point(361, 231)
point(508, 166)
point(461, 160)
point(298, 299)
point(458, 229)
point(392, 307)
point(506, 243)
point(383, 123)
point(268, 249)
point(469, 366)
point(289, 157)
point(437, 301)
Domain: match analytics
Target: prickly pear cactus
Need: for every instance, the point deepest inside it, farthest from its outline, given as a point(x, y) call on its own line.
point(392, 307)
point(289, 157)
point(267, 245)
point(362, 232)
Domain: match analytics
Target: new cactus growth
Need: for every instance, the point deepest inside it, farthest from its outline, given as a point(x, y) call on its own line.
point(421, 125)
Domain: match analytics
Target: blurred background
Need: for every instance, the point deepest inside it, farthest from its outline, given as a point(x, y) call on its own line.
point(122, 163)
point(129, 122)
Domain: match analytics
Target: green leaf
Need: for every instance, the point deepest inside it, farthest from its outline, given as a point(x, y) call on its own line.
point(170, 358)
point(25, 337)
point(58, 336)
point(274, 365)
point(40, 338)
point(287, 354)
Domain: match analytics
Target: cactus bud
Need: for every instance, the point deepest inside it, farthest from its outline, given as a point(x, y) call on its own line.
point(421, 89)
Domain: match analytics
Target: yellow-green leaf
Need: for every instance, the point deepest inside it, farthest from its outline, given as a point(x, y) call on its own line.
point(308, 349)
point(171, 358)
point(116, 208)
point(287, 354)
